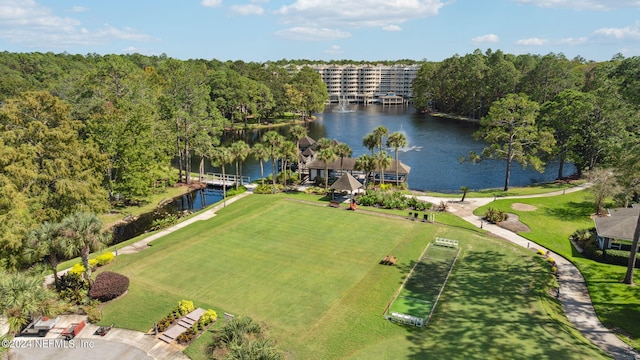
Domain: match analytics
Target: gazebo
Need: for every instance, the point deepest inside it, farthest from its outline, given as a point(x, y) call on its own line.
point(346, 182)
point(616, 230)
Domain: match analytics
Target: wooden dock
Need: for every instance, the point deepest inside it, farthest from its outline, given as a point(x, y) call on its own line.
point(217, 180)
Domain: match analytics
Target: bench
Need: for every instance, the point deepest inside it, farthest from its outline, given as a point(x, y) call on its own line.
point(334, 203)
point(447, 242)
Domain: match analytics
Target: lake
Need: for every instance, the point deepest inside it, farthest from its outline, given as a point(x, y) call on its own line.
point(434, 147)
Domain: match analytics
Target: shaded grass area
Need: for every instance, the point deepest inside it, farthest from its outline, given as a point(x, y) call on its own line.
point(616, 304)
point(419, 294)
point(311, 273)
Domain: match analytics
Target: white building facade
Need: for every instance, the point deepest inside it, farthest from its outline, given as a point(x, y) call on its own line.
point(369, 83)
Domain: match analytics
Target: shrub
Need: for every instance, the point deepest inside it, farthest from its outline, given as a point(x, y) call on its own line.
point(105, 258)
point(234, 192)
point(94, 314)
point(108, 286)
point(495, 216)
point(551, 260)
point(208, 317)
point(185, 307)
point(582, 236)
point(77, 269)
point(186, 337)
point(164, 222)
point(73, 288)
point(164, 324)
point(541, 252)
point(93, 263)
point(266, 189)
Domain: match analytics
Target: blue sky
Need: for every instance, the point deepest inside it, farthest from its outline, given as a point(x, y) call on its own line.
point(262, 30)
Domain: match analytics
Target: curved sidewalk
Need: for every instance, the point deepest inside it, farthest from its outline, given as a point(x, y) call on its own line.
point(574, 294)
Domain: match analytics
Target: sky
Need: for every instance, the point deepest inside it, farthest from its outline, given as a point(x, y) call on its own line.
point(369, 30)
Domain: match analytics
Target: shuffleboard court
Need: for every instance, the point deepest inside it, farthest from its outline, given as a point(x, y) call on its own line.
point(418, 295)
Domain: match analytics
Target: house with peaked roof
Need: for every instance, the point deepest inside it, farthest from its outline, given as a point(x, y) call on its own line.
point(337, 167)
point(616, 230)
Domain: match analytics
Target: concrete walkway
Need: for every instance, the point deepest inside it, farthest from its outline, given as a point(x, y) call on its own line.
point(574, 294)
point(205, 215)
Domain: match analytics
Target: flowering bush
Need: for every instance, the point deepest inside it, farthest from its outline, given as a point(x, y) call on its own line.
point(105, 258)
point(208, 317)
point(185, 307)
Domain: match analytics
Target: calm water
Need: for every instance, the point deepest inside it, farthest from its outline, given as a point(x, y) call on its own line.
point(434, 147)
point(192, 202)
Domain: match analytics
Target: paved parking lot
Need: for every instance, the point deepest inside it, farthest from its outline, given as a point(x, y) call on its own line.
point(118, 344)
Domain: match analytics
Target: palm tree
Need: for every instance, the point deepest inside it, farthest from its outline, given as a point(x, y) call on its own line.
point(367, 164)
point(342, 150)
point(464, 190)
point(380, 132)
point(239, 151)
point(259, 152)
point(221, 156)
point(273, 142)
point(288, 152)
point(326, 155)
point(23, 297)
point(47, 242)
point(397, 140)
point(383, 160)
point(298, 132)
point(84, 231)
point(370, 141)
point(323, 143)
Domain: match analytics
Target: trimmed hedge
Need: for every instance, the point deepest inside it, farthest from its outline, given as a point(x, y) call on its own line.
point(611, 256)
point(108, 286)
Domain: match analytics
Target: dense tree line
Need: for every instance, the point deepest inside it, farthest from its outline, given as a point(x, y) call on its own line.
point(81, 131)
point(587, 106)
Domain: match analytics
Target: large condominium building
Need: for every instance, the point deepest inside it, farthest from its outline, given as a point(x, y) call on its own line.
point(368, 83)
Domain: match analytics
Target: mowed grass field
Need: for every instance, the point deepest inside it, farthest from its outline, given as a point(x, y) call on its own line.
point(311, 273)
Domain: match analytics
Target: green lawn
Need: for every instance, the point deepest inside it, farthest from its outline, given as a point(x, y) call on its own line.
point(515, 191)
point(311, 273)
point(555, 218)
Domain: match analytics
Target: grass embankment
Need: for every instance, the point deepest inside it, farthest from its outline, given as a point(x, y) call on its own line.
point(557, 217)
point(312, 274)
point(514, 191)
point(146, 205)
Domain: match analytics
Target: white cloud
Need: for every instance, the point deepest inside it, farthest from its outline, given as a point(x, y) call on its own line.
point(584, 4)
point(333, 50)
point(391, 28)
point(311, 33)
point(488, 38)
point(32, 25)
point(211, 3)
point(532, 42)
point(628, 32)
point(573, 41)
point(248, 9)
point(364, 13)
point(79, 9)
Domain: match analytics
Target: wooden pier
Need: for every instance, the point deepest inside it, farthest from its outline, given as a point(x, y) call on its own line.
point(217, 180)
